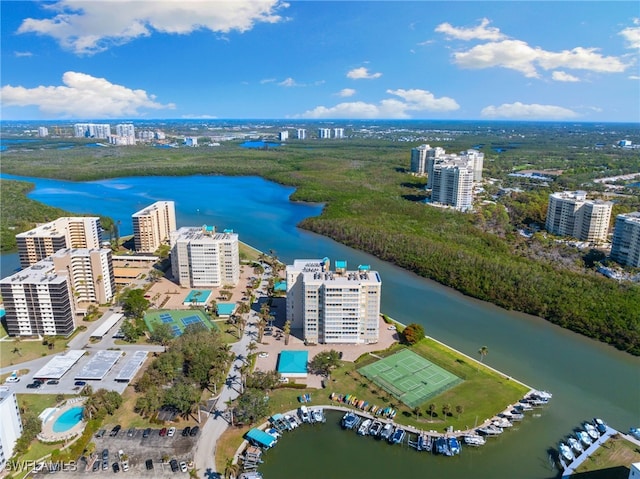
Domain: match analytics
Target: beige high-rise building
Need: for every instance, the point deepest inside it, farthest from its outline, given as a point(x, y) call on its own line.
point(625, 247)
point(570, 214)
point(67, 232)
point(339, 307)
point(38, 302)
point(452, 184)
point(201, 257)
point(90, 272)
point(153, 225)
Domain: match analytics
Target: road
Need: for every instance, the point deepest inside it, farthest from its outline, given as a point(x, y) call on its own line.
point(217, 423)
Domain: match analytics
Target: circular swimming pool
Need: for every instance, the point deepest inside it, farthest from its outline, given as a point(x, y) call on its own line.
point(68, 419)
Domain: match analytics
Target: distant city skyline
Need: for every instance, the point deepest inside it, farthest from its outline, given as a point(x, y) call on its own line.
point(267, 59)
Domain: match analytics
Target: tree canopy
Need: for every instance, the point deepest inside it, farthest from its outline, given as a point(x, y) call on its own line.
point(134, 303)
point(325, 361)
point(413, 333)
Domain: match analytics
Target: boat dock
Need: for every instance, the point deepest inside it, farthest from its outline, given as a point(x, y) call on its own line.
point(570, 468)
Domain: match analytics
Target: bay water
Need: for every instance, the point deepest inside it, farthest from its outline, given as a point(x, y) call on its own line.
point(587, 378)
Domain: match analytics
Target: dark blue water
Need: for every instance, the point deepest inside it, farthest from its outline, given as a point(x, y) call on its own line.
point(587, 378)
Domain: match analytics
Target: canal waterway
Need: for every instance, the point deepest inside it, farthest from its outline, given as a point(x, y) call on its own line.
point(587, 378)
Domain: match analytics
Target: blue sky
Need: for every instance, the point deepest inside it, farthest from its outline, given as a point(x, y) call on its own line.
point(251, 59)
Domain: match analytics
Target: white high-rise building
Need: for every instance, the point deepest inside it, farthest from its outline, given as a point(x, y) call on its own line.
point(477, 159)
point(67, 232)
point(434, 156)
point(38, 302)
point(153, 225)
point(301, 133)
point(43, 131)
point(283, 135)
point(90, 273)
point(201, 257)
point(191, 141)
point(452, 184)
point(625, 247)
point(333, 307)
point(324, 133)
point(570, 214)
point(92, 130)
point(338, 133)
point(419, 159)
point(125, 129)
point(11, 428)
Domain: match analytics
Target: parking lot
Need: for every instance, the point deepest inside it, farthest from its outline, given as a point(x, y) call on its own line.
point(138, 450)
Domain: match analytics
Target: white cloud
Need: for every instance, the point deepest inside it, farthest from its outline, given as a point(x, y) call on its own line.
point(346, 92)
point(632, 34)
point(23, 54)
point(362, 73)
point(199, 117)
point(564, 76)
point(389, 108)
point(88, 27)
point(288, 82)
point(480, 32)
point(518, 55)
point(267, 80)
point(82, 96)
point(532, 111)
point(634, 77)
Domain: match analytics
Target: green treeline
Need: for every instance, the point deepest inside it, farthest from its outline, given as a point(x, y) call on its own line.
point(594, 306)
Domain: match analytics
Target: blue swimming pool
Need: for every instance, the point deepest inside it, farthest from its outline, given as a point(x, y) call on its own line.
point(68, 419)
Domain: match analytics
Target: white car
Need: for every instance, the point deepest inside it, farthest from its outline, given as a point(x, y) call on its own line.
point(391, 328)
point(263, 355)
point(171, 431)
point(12, 379)
point(183, 466)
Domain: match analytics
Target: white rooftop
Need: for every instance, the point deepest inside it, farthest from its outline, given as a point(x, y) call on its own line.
point(106, 325)
point(131, 367)
point(99, 365)
point(59, 365)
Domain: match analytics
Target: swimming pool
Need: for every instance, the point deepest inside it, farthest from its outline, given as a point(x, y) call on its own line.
point(68, 419)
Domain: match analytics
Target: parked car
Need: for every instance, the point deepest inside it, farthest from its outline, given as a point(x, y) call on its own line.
point(105, 454)
point(131, 432)
point(174, 465)
point(80, 383)
point(148, 464)
point(53, 382)
point(163, 432)
point(186, 431)
point(96, 466)
point(38, 467)
point(116, 468)
point(183, 466)
point(101, 433)
point(194, 431)
point(171, 431)
point(114, 432)
point(146, 432)
point(105, 465)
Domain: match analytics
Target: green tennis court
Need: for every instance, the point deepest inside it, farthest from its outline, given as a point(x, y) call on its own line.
point(409, 377)
point(177, 319)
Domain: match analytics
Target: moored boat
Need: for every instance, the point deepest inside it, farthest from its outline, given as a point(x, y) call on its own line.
point(317, 415)
point(375, 428)
point(575, 445)
point(490, 430)
point(387, 431)
point(592, 431)
point(397, 436)
point(442, 447)
point(474, 440)
point(635, 432)
point(565, 452)
point(502, 422)
point(454, 445)
point(600, 425)
point(363, 430)
point(349, 420)
point(584, 438)
point(303, 412)
point(424, 443)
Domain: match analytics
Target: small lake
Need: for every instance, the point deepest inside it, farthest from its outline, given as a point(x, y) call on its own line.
point(259, 144)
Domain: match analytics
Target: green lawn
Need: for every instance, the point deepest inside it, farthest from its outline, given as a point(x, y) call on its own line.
point(19, 351)
point(610, 461)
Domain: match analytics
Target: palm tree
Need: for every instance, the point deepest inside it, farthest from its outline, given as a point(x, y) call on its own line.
point(446, 409)
point(416, 411)
point(230, 469)
point(252, 347)
point(431, 409)
point(261, 325)
point(459, 410)
point(483, 351)
point(287, 331)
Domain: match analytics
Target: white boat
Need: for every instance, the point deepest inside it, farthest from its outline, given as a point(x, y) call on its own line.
point(513, 415)
point(502, 422)
point(387, 431)
point(584, 438)
point(592, 431)
point(363, 430)
point(565, 452)
point(292, 421)
point(600, 425)
point(317, 415)
point(303, 412)
point(544, 395)
point(490, 430)
point(375, 428)
point(575, 445)
point(474, 440)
